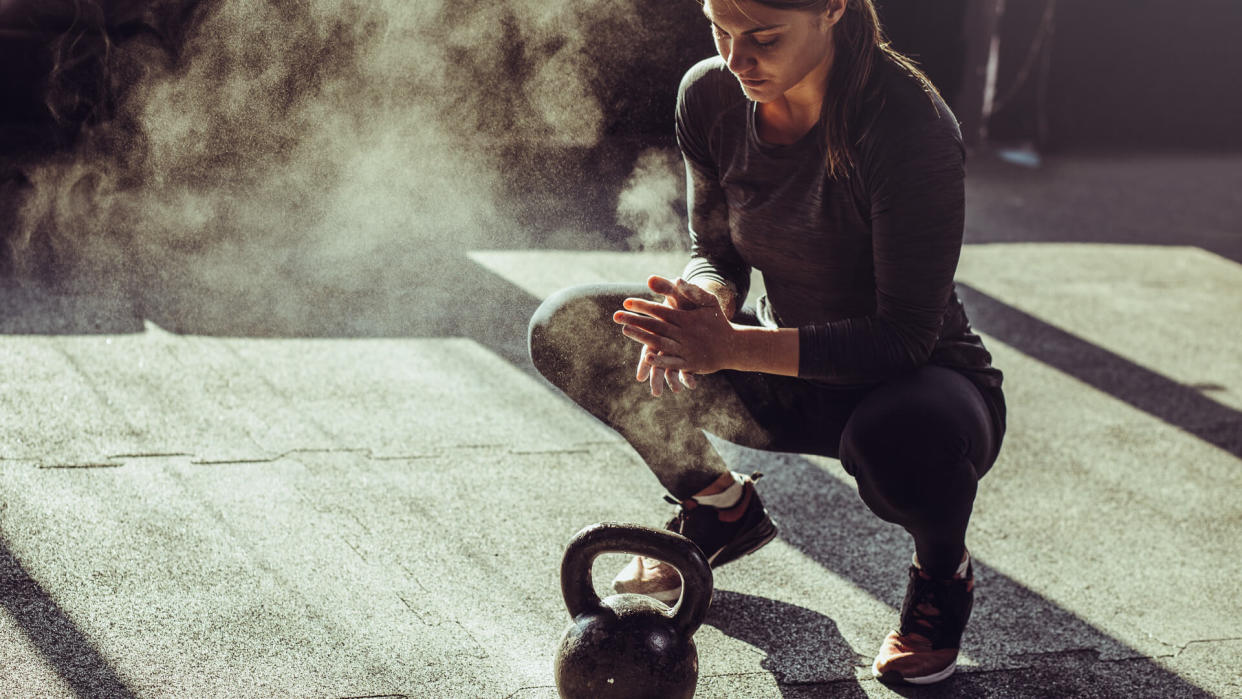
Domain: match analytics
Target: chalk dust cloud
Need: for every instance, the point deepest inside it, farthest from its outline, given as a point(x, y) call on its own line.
point(299, 158)
point(653, 203)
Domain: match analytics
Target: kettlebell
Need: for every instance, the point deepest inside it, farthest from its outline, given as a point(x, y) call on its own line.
point(631, 646)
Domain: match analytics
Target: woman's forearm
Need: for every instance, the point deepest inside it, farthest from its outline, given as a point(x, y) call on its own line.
point(765, 350)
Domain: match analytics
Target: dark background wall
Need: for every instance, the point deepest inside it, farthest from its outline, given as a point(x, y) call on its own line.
point(1111, 74)
point(551, 117)
point(1126, 74)
point(932, 33)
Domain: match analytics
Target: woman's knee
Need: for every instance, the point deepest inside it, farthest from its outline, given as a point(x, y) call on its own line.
point(901, 437)
point(906, 458)
point(573, 327)
point(931, 417)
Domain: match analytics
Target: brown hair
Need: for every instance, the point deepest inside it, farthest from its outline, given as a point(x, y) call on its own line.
point(859, 41)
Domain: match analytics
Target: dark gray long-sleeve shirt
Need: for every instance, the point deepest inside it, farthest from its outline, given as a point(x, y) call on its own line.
point(862, 266)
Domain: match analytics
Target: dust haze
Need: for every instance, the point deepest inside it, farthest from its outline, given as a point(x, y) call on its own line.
point(295, 160)
point(652, 203)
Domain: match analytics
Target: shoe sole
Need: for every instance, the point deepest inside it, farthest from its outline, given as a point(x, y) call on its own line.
point(668, 597)
point(897, 678)
point(754, 540)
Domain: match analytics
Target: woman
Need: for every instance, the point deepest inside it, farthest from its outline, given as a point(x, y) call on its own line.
point(820, 156)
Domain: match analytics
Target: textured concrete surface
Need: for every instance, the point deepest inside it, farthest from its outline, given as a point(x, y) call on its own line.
point(211, 515)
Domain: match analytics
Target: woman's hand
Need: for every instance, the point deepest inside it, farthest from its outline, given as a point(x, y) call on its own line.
point(693, 337)
point(660, 376)
point(647, 370)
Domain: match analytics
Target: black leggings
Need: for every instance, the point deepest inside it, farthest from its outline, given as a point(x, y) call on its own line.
point(916, 444)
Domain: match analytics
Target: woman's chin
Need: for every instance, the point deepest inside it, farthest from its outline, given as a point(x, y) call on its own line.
point(760, 92)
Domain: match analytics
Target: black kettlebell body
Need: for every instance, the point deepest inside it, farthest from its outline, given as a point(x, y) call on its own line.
point(627, 645)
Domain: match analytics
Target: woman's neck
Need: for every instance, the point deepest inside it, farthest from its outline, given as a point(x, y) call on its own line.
point(796, 112)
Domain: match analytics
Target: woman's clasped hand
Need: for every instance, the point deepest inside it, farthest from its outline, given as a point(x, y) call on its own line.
point(688, 334)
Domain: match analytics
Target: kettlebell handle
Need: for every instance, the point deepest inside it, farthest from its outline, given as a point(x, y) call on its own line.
point(670, 547)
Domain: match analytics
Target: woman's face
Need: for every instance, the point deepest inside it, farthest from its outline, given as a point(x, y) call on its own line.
point(770, 51)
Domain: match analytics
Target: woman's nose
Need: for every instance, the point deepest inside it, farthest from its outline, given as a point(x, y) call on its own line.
point(738, 61)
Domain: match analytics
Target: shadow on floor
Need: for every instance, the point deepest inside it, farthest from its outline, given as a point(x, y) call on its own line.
point(54, 635)
point(823, 517)
point(1171, 401)
point(800, 644)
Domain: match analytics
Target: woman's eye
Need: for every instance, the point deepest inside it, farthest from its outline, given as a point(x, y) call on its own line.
point(722, 35)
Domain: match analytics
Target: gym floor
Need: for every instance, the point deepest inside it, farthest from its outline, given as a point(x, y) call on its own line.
point(213, 488)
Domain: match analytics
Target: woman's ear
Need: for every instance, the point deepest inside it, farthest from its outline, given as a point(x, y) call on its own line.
point(833, 12)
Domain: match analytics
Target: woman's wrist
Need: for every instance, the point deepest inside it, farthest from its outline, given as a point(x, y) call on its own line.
point(764, 350)
point(725, 294)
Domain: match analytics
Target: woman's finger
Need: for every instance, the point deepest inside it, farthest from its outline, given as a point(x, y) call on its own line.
point(687, 379)
point(644, 364)
point(697, 294)
point(671, 292)
point(661, 285)
point(658, 343)
point(654, 325)
point(670, 377)
point(667, 314)
point(657, 382)
point(668, 361)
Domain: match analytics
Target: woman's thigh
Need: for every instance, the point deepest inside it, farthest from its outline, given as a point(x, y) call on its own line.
point(800, 416)
point(575, 344)
point(928, 417)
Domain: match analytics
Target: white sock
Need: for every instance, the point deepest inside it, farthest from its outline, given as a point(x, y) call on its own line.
point(725, 498)
point(961, 568)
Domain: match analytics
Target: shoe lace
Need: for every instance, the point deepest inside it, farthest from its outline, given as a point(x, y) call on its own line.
point(678, 522)
point(924, 606)
point(933, 609)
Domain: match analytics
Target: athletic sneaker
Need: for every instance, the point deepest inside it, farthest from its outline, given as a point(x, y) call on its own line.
point(933, 617)
point(723, 534)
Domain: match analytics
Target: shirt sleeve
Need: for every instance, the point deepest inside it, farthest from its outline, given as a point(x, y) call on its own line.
point(712, 254)
point(915, 185)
